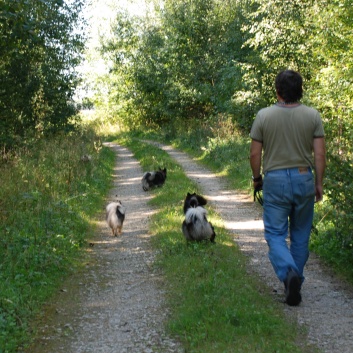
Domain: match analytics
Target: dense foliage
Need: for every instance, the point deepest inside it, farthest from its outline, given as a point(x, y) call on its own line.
point(212, 63)
point(48, 197)
point(40, 47)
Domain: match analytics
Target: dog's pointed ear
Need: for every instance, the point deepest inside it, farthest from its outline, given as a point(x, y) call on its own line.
point(188, 194)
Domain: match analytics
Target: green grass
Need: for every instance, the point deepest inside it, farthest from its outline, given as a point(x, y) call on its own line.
point(47, 199)
point(216, 306)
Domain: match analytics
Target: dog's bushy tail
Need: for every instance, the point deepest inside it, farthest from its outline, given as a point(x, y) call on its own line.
point(115, 216)
point(114, 206)
point(147, 178)
point(196, 225)
point(195, 214)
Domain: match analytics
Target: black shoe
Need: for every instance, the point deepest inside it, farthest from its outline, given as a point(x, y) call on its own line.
point(292, 286)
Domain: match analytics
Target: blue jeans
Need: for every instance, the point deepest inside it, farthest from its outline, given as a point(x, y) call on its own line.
point(289, 196)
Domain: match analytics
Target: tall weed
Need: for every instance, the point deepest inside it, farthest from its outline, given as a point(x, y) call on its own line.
point(49, 193)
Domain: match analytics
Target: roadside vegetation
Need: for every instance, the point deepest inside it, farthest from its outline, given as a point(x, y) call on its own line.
point(50, 192)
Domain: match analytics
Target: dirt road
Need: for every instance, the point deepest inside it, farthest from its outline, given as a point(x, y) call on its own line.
point(116, 304)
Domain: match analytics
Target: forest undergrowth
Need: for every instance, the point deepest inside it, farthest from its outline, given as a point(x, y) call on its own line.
point(49, 192)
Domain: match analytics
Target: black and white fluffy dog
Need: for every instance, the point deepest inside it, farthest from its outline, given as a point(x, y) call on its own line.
point(152, 179)
point(196, 226)
point(115, 217)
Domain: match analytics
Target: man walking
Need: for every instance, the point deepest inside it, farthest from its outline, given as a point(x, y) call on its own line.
point(288, 142)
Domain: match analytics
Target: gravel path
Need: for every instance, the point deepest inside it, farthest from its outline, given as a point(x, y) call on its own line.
point(116, 304)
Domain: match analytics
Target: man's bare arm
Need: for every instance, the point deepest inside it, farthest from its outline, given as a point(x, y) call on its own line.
point(320, 165)
point(255, 158)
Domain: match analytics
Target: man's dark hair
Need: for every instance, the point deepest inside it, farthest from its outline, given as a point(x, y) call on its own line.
point(289, 85)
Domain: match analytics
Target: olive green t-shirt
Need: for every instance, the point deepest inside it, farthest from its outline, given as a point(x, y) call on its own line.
point(287, 135)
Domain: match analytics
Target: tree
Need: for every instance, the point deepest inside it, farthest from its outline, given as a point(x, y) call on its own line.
point(183, 66)
point(39, 49)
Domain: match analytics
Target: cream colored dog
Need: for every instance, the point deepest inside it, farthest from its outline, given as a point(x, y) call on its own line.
point(115, 217)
